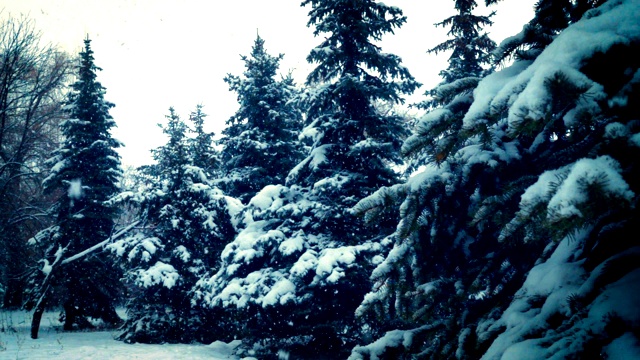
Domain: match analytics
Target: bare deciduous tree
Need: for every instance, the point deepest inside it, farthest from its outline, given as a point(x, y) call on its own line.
point(32, 85)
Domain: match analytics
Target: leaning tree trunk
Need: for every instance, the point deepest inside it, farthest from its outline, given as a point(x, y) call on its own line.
point(44, 293)
point(38, 311)
point(46, 284)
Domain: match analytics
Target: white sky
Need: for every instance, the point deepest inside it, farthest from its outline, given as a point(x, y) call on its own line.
point(161, 53)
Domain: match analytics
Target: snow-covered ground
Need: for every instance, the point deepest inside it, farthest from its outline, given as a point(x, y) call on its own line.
point(15, 343)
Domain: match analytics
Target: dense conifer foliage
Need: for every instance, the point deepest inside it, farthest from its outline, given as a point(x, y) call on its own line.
point(85, 170)
point(551, 17)
point(203, 153)
point(317, 227)
point(469, 62)
point(185, 222)
point(538, 186)
point(260, 143)
point(298, 268)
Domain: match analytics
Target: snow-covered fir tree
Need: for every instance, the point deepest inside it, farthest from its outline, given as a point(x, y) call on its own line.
point(470, 53)
point(260, 143)
point(434, 138)
point(512, 246)
point(85, 172)
point(185, 223)
point(203, 153)
point(298, 269)
point(469, 62)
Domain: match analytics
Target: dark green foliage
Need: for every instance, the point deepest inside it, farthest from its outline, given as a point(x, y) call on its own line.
point(435, 139)
point(203, 154)
point(551, 17)
point(470, 54)
point(354, 146)
point(185, 224)
point(85, 173)
point(299, 266)
point(505, 180)
point(260, 143)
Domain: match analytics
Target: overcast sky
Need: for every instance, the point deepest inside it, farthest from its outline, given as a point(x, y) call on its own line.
point(161, 53)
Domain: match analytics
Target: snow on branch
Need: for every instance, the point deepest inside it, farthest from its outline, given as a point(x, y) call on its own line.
point(100, 244)
point(521, 89)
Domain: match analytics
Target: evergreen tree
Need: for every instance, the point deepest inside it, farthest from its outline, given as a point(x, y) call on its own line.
point(85, 172)
point(260, 143)
point(542, 182)
point(352, 139)
point(470, 53)
point(469, 62)
point(551, 17)
point(298, 268)
point(185, 224)
point(203, 154)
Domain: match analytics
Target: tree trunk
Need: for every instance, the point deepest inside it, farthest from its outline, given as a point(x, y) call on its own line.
point(69, 316)
point(37, 313)
point(110, 316)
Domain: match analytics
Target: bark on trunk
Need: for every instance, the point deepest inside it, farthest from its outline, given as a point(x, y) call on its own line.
point(37, 313)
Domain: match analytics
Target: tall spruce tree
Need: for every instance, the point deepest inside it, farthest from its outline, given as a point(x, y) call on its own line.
point(435, 137)
point(352, 139)
point(203, 153)
point(469, 62)
point(85, 173)
point(260, 143)
point(505, 246)
point(185, 223)
point(470, 53)
point(298, 269)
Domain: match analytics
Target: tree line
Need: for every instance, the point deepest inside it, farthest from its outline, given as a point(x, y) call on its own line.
point(318, 224)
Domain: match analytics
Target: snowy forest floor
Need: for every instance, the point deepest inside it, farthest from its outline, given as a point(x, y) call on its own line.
point(53, 343)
